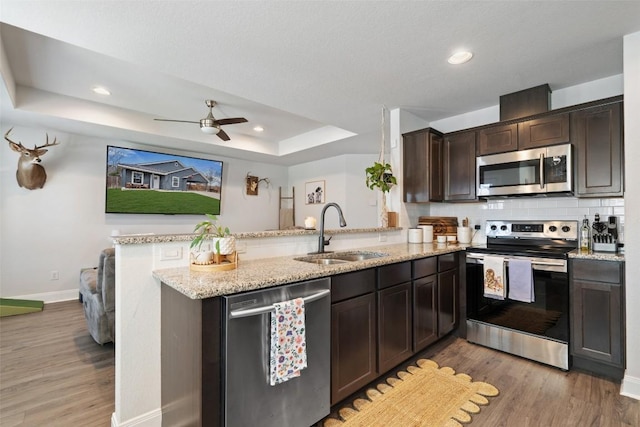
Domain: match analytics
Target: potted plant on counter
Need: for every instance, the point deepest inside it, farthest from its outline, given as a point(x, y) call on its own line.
point(380, 176)
point(222, 242)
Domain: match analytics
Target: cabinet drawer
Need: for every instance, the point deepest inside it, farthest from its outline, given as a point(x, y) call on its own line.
point(349, 285)
point(425, 267)
point(448, 261)
point(597, 271)
point(394, 274)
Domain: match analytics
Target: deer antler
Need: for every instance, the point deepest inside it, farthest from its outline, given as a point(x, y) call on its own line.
point(6, 136)
point(35, 147)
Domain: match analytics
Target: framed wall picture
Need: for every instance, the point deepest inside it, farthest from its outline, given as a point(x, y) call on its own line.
point(314, 192)
point(252, 185)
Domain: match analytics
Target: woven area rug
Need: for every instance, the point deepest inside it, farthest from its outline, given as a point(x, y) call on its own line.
point(423, 395)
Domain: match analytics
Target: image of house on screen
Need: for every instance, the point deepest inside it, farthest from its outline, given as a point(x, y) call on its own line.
point(163, 175)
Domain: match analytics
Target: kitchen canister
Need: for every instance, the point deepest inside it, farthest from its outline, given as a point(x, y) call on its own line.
point(427, 233)
point(415, 235)
point(464, 235)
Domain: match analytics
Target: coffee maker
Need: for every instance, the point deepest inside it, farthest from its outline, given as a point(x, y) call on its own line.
point(605, 234)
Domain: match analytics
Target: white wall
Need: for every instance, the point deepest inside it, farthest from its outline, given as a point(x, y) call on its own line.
point(631, 382)
point(63, 227)
point(344, 179)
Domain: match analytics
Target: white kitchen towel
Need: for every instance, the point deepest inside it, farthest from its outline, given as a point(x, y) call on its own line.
point(521, 280)
point(494, 277)
point(288, 355)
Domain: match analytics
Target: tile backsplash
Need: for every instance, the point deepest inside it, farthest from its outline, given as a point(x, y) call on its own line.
point(552, 208)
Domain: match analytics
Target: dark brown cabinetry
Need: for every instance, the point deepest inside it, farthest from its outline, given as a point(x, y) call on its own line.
point(422, 166)
point(550, 130)
point(425, 303)
point(459, 157)
point(498, 139)
point(597, 136)
point(191, 355)
point(395, 337)
point(448, 285)
point(353, 332)
point(597, 316)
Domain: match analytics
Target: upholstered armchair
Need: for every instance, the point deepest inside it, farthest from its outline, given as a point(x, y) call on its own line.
point(97, 290)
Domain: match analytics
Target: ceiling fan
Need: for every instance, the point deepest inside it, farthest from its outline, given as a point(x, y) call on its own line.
point(210, 124)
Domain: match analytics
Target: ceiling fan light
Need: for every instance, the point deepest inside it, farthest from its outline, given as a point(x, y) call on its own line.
point(211, 130)
point(208, 126)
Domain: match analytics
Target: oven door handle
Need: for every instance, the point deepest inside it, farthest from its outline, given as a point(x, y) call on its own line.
point(556, 264)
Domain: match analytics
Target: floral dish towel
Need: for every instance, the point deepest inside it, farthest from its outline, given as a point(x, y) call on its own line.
point(288, 342)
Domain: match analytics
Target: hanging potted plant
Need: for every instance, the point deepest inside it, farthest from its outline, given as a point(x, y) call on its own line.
point(223, 243)
point(381, 177)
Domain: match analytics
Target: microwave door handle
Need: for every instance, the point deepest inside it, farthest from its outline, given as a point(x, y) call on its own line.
point(542, 183)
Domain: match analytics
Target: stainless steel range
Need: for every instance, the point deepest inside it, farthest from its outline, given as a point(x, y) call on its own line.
point(536, 328)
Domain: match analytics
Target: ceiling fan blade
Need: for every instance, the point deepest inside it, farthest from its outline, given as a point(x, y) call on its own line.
point(223, 135)
point(179, 121)
point(231, 121)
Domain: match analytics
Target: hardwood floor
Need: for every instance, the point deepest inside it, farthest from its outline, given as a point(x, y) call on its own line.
point(52, 373)
point(531, 394)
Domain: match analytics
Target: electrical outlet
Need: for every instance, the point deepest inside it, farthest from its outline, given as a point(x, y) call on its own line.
point(54, 275)
point(477, 227)
point(382, 237)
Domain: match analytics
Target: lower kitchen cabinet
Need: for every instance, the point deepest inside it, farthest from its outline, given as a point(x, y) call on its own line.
point(447, 301)
point(597, 316)
point(394, 315)
point(394, 326)
point(353, 333)
point(425, 312)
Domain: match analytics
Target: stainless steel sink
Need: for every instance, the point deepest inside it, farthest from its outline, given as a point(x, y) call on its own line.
point(340, 257)
point(323, 261)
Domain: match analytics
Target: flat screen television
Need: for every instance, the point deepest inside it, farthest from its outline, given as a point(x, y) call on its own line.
point(148, 182)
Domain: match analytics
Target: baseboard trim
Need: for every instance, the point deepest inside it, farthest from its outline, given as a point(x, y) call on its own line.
point(150, 419)
point(630, 387)
point(49, 297)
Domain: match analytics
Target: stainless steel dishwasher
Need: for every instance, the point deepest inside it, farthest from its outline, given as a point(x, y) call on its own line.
point(249, 400)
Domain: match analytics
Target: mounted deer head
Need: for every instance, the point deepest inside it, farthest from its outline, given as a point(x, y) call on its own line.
point(30, 173)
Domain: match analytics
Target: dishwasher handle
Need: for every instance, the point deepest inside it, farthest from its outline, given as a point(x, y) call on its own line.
point(236, 314)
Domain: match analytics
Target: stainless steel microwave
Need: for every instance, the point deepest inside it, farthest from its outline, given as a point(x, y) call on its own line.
point(535, 172)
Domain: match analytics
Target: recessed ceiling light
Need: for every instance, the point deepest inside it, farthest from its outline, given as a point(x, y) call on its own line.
point(460, 57)
point(258, 129)
point(101, 90)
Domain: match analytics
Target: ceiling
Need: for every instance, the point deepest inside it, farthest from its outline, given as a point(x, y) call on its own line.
point(314, 74)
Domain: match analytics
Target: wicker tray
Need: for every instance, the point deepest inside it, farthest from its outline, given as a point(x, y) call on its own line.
point(226, 262)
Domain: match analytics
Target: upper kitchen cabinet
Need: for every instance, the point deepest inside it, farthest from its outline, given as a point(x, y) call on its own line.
point(459, 158)
point(498, 139)
point(597, 136)
point(422, 166)
point(540, 132)
point(544, 131)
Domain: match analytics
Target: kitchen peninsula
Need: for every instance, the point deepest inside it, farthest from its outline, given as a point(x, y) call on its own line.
point(138, 317)
point(197, 317)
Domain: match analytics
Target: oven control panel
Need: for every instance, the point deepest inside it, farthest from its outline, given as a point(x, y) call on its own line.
point(567, 230)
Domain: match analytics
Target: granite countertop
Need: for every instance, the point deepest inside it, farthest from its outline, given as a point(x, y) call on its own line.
point(600, 256)
point(133, 239)
point(266, 272)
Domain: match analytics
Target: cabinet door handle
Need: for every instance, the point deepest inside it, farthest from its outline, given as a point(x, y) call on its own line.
point(541, 170)
point(235, 314)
